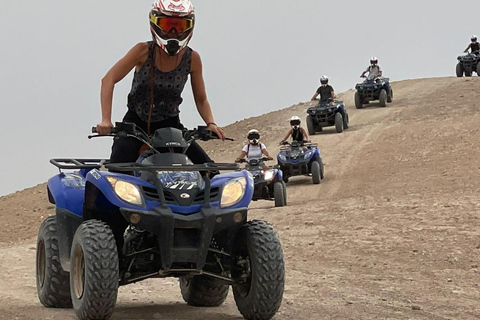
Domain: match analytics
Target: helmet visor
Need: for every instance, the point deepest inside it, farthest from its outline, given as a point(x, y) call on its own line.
point(252, 136)
point(168, 23)
point(295, 122)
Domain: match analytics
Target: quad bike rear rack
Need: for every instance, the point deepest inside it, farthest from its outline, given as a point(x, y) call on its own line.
point(71, 163)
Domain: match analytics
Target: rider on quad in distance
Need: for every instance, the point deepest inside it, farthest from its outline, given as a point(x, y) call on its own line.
point(168, 219)
point(470, 61)
point(328, 112)
point(300, 157)
point(374, 87)
point(268, 182)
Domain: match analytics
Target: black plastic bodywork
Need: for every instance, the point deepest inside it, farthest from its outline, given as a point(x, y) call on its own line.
point(323, 115)
point(370, 89)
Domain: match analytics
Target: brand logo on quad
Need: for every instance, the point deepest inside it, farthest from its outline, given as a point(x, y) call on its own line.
point(184, 196)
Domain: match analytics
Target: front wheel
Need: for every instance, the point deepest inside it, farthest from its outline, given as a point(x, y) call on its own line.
point(258, 271)
point(310, 125)
point(358, 100)
point(316, 173)
point(53, 286)
point(202, 291)
point(383, 98)
point(459, 70)
point(478, 69)
point(94, 271)
point(279, 194)
point(338, 122)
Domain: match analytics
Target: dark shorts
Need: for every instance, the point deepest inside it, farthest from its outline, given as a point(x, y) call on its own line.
point(127, 149)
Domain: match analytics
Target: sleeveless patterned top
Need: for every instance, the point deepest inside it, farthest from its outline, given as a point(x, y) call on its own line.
point(167, 88)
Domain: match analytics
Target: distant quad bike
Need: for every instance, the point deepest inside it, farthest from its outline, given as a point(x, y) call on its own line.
point(326, 115)
point(468, 63)
point(168, 219)
point(300, 158)
point(373, 89)
point(268, 184)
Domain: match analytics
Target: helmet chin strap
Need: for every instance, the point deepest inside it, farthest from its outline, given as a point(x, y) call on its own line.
point(172, 47)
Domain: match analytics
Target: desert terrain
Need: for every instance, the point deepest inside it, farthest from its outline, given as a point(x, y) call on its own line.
point(392, 232)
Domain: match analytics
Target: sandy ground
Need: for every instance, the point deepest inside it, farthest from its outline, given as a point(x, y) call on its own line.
point(391, 233)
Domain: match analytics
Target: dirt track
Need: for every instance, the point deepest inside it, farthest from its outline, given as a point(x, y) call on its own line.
point(391, 233)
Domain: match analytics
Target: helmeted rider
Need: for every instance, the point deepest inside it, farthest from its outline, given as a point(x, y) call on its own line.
point(374, 71)
point(325, 91)
point(296, 131)
point(162, 67)
point(254, 149)
point(474, 45)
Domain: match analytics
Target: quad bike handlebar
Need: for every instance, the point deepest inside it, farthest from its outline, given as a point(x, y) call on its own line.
point(128, 129)
point(263, 159)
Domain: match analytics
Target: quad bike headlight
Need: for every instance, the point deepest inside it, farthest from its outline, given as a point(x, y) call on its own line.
point(233, 192)
point(307, 154)
point(282, 157)
point(269, 175)
point(126, 191)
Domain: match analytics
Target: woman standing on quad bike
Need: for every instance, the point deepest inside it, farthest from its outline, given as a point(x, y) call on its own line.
point(298, 133)
point(254, 149)
point(474, 46)
point(325, 91)
point(162, 67)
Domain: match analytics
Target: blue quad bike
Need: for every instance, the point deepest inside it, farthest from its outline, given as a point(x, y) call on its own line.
point(326, 115)
point(161, 216)
point(373, 89)
point(467, 64)
point(268, 184)
point(300, 158)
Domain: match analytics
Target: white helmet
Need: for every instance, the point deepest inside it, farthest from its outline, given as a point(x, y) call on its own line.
point(324, 79)
point(171, 24)
point(474, 38)
point(373, 60)
point(295, 122)
point(253, 136)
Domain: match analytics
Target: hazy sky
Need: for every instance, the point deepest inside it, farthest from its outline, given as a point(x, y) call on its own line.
point(258, 56)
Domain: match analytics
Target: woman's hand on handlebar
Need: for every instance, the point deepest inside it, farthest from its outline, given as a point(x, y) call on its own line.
point(104, 127)
point(219, 131)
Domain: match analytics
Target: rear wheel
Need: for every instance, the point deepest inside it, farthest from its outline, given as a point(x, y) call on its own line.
point(316, 173)
point(284, 191)
point(310, 125)
point(346, 121)
point(94, 271)
point(383, 98)
point(279, 194)
point(322, 169)
point(53, 283)
point(258, 271)
point(338, 122)
point(390, 95)
point(459, 70)
point(202, 291)
point(358, 100)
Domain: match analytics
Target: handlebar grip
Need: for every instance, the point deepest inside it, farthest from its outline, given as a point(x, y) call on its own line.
point(113, 130)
